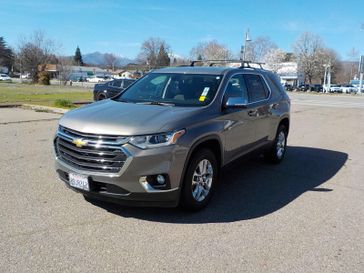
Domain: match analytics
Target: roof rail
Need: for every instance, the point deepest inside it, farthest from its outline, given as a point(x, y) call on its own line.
point(243, 64)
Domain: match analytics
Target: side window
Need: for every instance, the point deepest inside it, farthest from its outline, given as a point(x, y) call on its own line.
point(274, 87)
point(127, 83)
point(236, 88)
point(257, 90)
point(117, 84)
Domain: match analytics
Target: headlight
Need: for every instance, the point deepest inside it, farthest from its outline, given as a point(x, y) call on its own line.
point(157, 140)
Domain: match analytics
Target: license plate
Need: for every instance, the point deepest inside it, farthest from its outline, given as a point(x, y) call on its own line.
point(79, 181)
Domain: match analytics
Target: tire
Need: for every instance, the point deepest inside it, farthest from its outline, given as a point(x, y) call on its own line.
point(277, 152)
point(101, 97)
point(197, 190)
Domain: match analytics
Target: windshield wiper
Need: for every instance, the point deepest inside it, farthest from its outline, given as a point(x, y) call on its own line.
point(157, 103)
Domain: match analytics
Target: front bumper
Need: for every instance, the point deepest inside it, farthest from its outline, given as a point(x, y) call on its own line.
point(127, 187)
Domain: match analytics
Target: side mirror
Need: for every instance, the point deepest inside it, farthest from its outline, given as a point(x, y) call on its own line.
point(235, 102)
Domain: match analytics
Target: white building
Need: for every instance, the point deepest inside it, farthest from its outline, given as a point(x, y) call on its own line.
point(288, 72)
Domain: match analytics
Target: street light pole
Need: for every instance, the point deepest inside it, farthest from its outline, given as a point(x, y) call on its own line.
point(325, 75)
point(246, 40)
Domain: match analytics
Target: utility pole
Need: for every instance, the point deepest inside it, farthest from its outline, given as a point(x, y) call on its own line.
point(327, 78)
point(361, 71)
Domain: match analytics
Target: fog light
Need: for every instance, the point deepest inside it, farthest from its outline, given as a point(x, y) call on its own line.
point(161, 180)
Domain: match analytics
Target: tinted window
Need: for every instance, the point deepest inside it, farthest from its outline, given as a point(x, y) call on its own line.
point(275, 87)
point(117, 84)
point(179, 89)
point(127, 83)
point(257, 90)
point(236, 88)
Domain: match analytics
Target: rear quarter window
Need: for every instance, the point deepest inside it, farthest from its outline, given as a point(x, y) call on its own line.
point(275, 86)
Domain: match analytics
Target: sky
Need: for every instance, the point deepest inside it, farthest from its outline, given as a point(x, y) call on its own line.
point(120, 27)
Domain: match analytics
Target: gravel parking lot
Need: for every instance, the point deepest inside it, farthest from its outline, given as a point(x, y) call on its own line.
point(305, 215)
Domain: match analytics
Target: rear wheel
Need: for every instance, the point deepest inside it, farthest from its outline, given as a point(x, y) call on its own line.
point(200, 180)
point(278, 150)
point(101, 96)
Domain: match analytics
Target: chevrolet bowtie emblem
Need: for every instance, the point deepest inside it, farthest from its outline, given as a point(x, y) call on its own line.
point(79, 142)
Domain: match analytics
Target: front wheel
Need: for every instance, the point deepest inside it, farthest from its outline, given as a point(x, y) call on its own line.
point(200, 180)
point(278, 150)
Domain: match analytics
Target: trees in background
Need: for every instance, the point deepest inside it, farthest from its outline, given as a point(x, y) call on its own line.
point(257, 49)
point(163, 58)
point(312, 55)
point(154, 52)
point(111, 61)
point(34, 53)
point(274, 59)
point(212, 50)
point(6, 54)
point(78, 57)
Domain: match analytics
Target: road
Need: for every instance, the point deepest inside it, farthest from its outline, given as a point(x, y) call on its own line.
point(305, 215)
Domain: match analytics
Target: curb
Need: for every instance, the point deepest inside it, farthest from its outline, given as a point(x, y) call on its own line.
point(41, 108)
point(10, 105)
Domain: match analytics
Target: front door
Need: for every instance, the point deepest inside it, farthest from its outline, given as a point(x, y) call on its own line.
point(239, 130)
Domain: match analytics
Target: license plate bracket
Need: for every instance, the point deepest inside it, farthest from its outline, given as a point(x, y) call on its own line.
point(79, 181)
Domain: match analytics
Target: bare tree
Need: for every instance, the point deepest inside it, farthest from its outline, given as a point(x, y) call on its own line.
point(274, 59)
point(35, 52)
point(327, 56)
point(212, 50)
point(258, 48)
point(111, 60)
point(149, 51)
point(307, 49)
point(65, 68)
point(353, 56)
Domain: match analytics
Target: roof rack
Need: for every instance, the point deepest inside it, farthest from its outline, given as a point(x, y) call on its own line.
point(243, 64)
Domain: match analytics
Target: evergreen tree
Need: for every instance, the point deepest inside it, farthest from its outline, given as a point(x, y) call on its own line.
point(163, 58)
point(6, 54)
point(78, 57)
point(199, 57)
point(174, 61)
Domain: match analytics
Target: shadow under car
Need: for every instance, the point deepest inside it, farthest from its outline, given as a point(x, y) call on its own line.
point(250, 188)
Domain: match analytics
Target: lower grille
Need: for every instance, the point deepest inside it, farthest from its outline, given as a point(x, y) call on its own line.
point(93, 157)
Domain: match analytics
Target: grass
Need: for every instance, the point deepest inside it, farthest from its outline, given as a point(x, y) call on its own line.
point(51, 95)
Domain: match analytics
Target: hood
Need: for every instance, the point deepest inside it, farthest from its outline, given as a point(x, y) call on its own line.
point(110, 117)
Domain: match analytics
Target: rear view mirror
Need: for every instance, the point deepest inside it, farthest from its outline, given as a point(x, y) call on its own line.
point(235, 102)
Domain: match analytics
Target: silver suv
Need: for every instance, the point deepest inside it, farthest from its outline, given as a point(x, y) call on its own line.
point(163, 141)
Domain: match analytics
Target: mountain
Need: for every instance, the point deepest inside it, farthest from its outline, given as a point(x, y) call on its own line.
point(97, 58)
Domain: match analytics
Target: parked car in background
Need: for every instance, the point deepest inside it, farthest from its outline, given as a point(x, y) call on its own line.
point(335, 88)
point(97, 79)
point(348, 88)
point(288, 87)
point(25, 76)
point(310, 87)
point(4, 77)
point(303, 87)
point(316, 87)
point(110, 89)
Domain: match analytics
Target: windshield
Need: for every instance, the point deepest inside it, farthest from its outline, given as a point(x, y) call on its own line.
point(173, 89)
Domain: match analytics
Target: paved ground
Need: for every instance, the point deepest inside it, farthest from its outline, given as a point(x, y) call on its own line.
point(305, 215)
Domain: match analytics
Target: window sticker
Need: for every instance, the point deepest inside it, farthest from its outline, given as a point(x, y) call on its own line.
point(204, 94)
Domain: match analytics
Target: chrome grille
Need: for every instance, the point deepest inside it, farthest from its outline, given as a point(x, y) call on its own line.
point(98, 153)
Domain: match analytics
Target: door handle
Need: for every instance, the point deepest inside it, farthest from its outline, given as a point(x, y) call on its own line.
point(253, 113)
point(274, 105)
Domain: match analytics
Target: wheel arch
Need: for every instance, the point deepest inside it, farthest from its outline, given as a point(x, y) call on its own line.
point(212, 142)
point(285, 121)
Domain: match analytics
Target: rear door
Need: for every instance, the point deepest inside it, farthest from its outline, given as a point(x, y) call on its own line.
point(259, 108)
point(115, 87)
